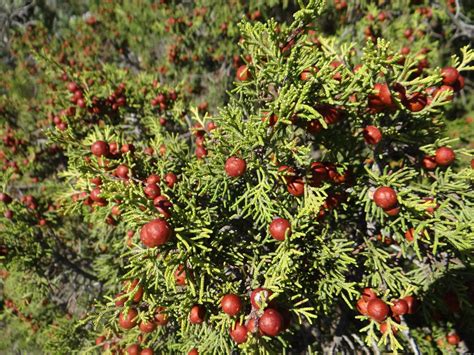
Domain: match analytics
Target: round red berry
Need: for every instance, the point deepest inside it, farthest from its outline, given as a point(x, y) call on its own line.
point(152, 190)
point(377, 309)
point(271, 322)
point(122, 171)
point(147, 326)
point(231, 304)
point(296, 187)
point(372, 135)
point(385, 197)
point(128, 320)
point(279, 228)
point(399, 307)
point(450, 75)
point(429, 163)
point(197, 314)
point(453, 339)
point(171, 179)
point(133, 349)
point(235, 167)
point(258, 296)
point(243, 73)
point(238, 333)
point(155, 233)
point(100, 148)
point(445, 156)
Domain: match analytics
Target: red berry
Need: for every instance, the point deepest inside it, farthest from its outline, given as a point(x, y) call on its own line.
point(372, 135)
point(377, 309)
point(163, 205)
point(95, 195)
point(170, 179)
point(180, 276)
point(235, 167)
point(271, 322)
point(122, 171)
point(238, 333)
point(161, 317)
point(137, 291)
point(445, 156)
point(193, 351)
point(393, 211)
point(120, 299)
point(152, 191)
point(5, 198)
point(368, 294)
point(100, 148)
point(128, 320)
point(296, 187)
point(258, 296)
point(148, 326)
point(381, 98)
point(453, 339)
point(243, 73)
point(279, 228)
point(412, 304)
point(99, 340)
point(415, 102)
point(429, 163)
point(410, 234)
point(133, 349)
point(231, 304)
point(450, 75)
point(152, 179)
point(385, 197)
point(399, 307)
point(155, 233)
point(147, 351)
point(197, 314)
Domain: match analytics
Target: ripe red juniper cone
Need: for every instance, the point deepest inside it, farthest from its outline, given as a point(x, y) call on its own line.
point(385, 197)
point(122, 171)
point(377, 309)
point(235, 167)
point(362, 306)
point(5, 198)
point(161, 317)
point(231, 304)
point(155, 233)
point(136, 289)
point(445, 156)
point(279, 228)
point(243, 73)
point(152, 190)
point(271, 322)
point(148, 326)
point(193, 351)
point(238, 333)
point(197, 314)
point(453, 339)
point(180, 276)
point(412, 304)
point(128, 320)
point(147, 351)
point(450, 75)
point(372, 135)
point(429, 163)
point(296, 187)
point(399, 307)
point(133, 349)
point(258, 296)
point(100, 148)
